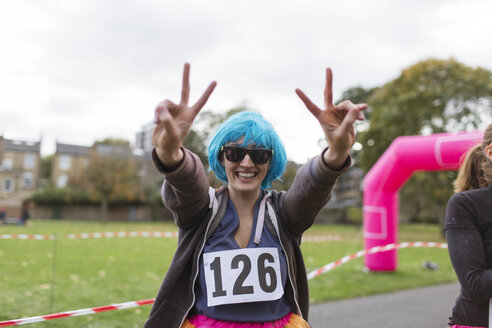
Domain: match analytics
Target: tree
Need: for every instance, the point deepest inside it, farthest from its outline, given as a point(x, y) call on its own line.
point(114, 142)
point(112, 176)
point(431, 96)
point(45, 168)
point(287, 178)
point(358, 94)
point(45, 171)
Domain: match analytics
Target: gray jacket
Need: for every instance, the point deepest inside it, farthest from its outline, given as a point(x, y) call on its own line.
point(197, 212)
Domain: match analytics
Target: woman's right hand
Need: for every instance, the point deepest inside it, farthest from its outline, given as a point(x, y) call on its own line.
point(173, 122)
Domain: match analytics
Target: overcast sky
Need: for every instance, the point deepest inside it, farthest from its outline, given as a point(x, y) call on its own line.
point(77, 71)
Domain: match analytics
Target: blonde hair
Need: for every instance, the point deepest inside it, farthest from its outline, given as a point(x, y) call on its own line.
point(476, 170)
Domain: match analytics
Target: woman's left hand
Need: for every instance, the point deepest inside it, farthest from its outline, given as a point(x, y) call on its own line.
point(337, 122)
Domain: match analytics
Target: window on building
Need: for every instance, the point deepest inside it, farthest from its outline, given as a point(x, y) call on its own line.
point(29, 161)
point(64, 162)
point(28, 180)
point(62, 181)
point(7, 164)
point(7, 185)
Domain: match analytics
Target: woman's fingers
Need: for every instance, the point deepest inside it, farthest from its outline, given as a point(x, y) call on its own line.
point(166, 135)
point(182, 112)
point(346, 106)
point(167, 105)
point(329, 89)
point(203, 99)
point(347, 123)
point(172, 132)
point(185, 90)
point(156, 114)
point(309, 104)
point(350, 112)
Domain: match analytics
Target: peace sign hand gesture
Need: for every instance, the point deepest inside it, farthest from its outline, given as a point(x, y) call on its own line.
point(173, 121)
point(337, 123)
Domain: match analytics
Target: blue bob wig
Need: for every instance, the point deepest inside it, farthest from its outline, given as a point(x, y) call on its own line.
point(256, 130)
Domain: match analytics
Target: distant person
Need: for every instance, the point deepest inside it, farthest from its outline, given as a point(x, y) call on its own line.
point(3, 216)
point(24, 215)
point(238, 261)
point(468, 231)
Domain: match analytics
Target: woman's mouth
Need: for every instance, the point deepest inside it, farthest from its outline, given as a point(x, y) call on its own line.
point(246, 175)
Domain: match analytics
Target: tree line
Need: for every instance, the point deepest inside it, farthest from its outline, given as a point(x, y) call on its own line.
point(431, 96)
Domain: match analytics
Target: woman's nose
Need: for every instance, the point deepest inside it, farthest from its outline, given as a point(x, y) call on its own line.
point(247, 162)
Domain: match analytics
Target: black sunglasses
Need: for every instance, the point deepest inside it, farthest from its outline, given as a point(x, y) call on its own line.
point(236, 154)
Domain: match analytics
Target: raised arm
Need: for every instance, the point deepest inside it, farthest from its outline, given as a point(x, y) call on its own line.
point(337, 123)
point(314, 182)
point(173, 122)
point(185, 189)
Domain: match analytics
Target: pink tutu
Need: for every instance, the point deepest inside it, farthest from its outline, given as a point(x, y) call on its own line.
point(201, 321)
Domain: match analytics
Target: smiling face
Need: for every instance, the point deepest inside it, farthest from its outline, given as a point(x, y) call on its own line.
point(244, 176)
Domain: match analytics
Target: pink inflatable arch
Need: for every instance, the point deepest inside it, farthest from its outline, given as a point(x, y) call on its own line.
point(404, 156)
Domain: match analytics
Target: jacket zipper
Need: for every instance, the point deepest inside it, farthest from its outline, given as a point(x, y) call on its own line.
point(290, 279)
point(201, 250)
point(198, 264)
point(288, 266)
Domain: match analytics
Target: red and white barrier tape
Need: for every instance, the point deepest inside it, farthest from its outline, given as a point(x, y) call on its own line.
point(155, 234)
point(127, 305)
point(372, 250)
point(121, 306)
point(317, 239)
point(121, 234)
point(23, 236)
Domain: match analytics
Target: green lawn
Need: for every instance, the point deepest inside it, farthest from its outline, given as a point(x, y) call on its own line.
point(46, 276)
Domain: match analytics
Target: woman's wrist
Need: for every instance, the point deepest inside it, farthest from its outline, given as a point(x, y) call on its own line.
point(170, 160)
point(334, 160)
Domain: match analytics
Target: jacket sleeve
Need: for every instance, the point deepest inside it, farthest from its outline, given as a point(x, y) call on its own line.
point(310, 191)
point(466, 248)
point(185, 189)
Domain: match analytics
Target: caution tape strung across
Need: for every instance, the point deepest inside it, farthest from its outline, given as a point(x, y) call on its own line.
point(133, 304)
point(24, 236)
point(372, 250)
point(122, 234)
point(75, 313)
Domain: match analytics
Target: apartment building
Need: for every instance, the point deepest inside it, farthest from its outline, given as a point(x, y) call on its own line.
point(19, 171)
point(148, 175)
point(69, 164)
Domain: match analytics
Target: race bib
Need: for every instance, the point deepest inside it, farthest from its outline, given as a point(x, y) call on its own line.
point(242, 275)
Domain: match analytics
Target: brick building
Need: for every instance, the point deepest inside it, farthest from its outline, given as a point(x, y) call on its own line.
point(69, 164)
point(19, 172)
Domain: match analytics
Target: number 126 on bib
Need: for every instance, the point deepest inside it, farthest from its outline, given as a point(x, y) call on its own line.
point(243, 275)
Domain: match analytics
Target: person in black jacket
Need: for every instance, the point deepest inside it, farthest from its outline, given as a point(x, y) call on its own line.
point(3, 216)
point(238, 261)
point(468, 231)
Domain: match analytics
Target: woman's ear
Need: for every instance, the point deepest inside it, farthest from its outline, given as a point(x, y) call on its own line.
point(488, 151)
point(220, 157)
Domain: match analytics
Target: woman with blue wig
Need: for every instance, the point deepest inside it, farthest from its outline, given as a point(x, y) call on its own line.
point(238, 262)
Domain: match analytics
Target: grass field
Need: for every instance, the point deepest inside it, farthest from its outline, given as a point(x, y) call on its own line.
point(46, 276)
